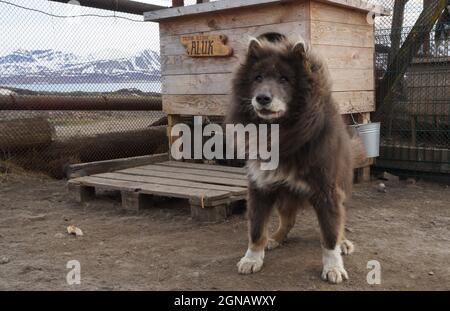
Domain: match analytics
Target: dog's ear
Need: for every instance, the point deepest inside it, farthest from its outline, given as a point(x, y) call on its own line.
point(299, 48)
point(253, 48)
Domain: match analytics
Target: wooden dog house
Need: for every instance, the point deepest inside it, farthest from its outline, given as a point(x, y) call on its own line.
point(197, 83)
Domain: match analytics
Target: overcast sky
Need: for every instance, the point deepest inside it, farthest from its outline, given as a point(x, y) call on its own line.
point(23, 29)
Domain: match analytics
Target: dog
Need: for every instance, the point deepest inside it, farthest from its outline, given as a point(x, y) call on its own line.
point(286, 83)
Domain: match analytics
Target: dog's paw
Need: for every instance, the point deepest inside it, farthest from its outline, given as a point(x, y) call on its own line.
point(347, 247)
point(249, 265)
point(334, 275)
point(272, 244)
point(333, 265)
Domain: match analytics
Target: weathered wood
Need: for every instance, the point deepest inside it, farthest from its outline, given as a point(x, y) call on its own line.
point(328, 12)
point(245, 17)
point(81, 193)
point(224, 5)
point(342, 57)
point(238, 38)
point(85, 169)
point(330, 33)
point(221, 168)
point(193, 171)
point(237, 191)
point(188, 177)
point(337, 57)
point(220, 83)
point(131, 200)
point(23, 134)
point(355, 102)
point(206, 196)
point(200, 45)
point(217, 105)
point(210, 214)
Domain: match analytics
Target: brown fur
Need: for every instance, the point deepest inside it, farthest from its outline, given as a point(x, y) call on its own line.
point(314, 143)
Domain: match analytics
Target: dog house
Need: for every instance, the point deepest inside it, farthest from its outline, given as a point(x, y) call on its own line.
point(202, 44)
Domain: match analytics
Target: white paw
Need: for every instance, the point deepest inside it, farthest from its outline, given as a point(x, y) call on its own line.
point(271, 244)
point(334, 275)
point(252, 262)
point(333, 266)
point(347, 247)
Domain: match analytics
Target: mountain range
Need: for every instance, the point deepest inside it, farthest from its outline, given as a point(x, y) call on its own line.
point(50, 66)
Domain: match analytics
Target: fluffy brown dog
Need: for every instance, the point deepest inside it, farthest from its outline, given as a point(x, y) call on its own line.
point(285, 83)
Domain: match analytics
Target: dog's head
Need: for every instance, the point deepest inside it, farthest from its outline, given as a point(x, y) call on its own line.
point(275, 78)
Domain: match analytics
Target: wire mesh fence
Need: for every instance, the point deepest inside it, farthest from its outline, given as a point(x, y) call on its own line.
point(62, 50)
point(415, 117)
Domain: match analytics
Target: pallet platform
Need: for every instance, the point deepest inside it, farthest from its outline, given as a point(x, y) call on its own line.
point(210, 189)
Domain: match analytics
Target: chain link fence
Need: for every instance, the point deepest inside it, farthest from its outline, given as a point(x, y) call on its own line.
point(415, 119)
point(53, 51)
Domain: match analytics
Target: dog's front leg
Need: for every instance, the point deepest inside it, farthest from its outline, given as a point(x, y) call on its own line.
point(259, 206)
point(331, 215)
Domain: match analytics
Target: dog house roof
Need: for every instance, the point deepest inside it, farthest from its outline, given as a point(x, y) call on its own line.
point(223, 5)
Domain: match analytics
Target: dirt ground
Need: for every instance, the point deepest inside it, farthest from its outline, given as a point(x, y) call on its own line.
point(406, 229)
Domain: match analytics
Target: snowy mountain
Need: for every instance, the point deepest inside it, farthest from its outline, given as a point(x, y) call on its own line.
point(50, 66)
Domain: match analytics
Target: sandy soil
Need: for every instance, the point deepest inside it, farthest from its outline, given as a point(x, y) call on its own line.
point(406, 229)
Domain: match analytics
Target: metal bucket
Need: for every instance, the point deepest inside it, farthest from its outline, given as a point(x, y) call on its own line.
point(370, 136)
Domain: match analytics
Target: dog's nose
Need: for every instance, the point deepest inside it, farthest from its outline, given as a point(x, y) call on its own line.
point(264, 99)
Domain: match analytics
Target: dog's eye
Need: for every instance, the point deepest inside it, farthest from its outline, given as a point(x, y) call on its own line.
point(258, 78)
point(283, 79)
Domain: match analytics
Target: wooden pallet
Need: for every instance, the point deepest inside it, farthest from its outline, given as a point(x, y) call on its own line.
point(210, 189)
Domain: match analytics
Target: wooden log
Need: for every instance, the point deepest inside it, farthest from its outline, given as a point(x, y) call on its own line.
point(24, 134)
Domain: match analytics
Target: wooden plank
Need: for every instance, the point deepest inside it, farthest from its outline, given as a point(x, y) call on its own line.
point(195, 194)
point(213, 83)
point(244, 17)
point(85, 169)
point(329, 33)
point(330, 13)
point(172, 182)
point(192, 171)
point(189, 177)
point(336, 57)
point(220, 83)
point(201, 166)
point(238, 38)
point(183, 64)
point(342, 57)
point(218, 105)
point(355, 102)
point(224, 5)
point(210, 105)
point(352, 79)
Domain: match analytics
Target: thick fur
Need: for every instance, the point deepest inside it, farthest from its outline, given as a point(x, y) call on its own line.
point(315, 155)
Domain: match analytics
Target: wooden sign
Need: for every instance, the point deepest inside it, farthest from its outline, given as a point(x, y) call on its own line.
point(206, 45)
